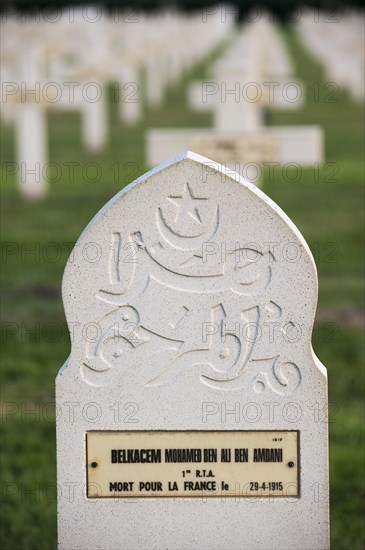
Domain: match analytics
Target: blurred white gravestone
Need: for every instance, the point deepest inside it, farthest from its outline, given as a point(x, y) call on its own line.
point(196, 405)
point(273, 145)
point(31, 126)
point(252, 75)
point(340, 46)
point(68, 63)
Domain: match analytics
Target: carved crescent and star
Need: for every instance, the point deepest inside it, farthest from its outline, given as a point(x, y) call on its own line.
point(186, 222)
point(187, 205)
point(172, 264)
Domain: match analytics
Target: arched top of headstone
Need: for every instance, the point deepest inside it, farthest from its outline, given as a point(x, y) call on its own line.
point(192, 275)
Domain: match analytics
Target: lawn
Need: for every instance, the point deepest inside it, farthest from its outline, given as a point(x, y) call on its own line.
point(325, 204)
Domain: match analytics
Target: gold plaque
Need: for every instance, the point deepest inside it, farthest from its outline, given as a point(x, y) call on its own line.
point(234, 149)
point(192, 464)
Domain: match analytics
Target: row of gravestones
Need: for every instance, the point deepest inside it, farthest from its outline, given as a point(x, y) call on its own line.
point(66, 65)
point(254, 74)
point(337, 40)
point(192, 411)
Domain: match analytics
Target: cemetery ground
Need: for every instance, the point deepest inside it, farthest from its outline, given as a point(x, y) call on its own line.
point(325, 204)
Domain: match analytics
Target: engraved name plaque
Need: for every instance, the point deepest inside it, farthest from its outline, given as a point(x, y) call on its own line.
point(192, 464)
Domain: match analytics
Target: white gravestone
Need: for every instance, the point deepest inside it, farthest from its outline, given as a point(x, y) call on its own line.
point(192, 409)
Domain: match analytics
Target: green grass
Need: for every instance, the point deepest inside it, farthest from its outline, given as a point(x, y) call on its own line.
point(329, 214)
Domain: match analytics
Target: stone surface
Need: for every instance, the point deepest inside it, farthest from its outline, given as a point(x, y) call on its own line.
point(190, 299)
